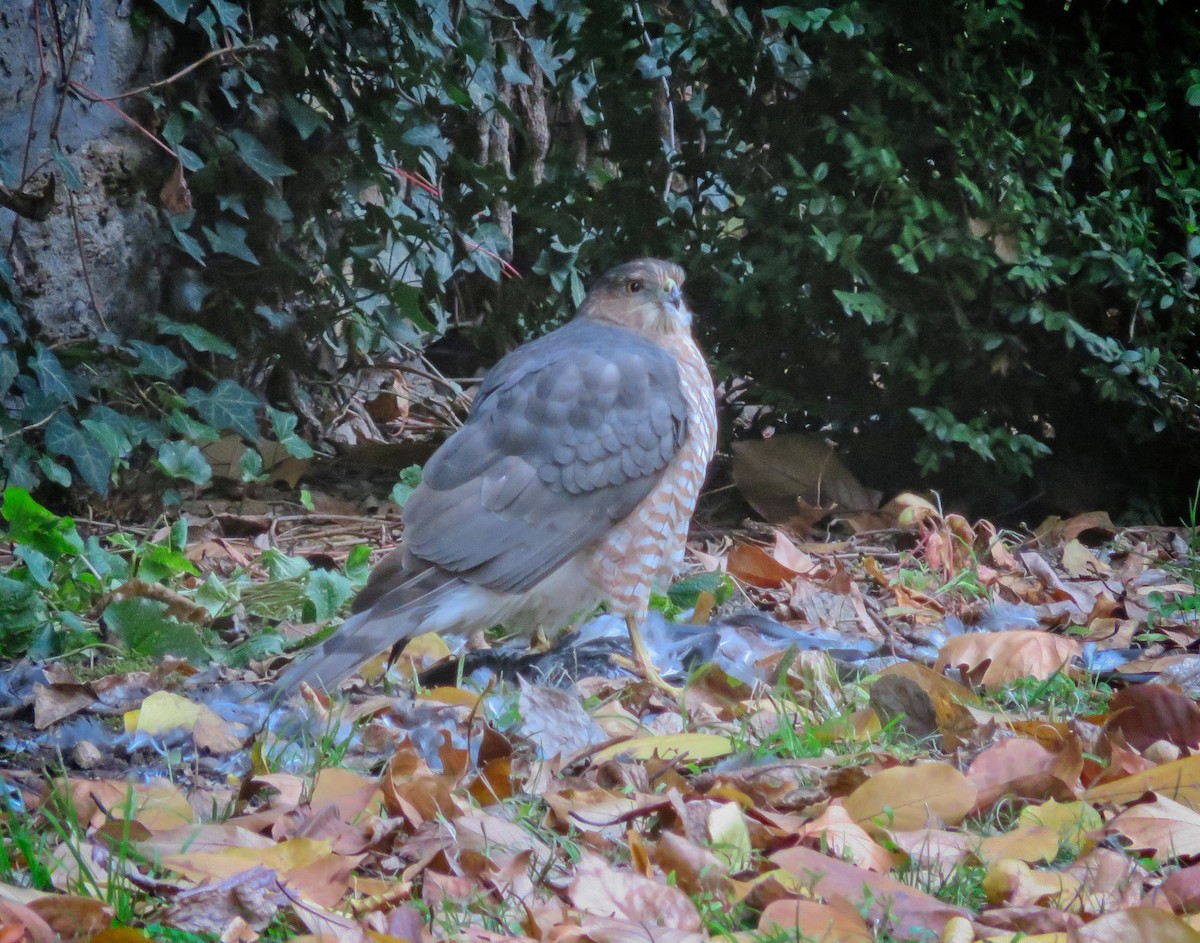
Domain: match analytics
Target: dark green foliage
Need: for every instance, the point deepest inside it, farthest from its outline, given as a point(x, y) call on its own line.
point(956, 235)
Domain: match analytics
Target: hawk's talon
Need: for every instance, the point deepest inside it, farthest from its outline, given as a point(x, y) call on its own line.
point(642, 663)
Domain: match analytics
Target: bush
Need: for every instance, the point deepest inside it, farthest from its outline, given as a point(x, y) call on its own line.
point(959, 236)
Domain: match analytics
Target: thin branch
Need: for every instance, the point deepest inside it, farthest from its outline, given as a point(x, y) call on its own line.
point(88, 95)
point(213, 54)
point(87, 278)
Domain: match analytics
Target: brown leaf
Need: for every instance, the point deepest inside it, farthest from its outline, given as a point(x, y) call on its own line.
point(253, 896)
point(904, 909)
point(1179, 780)
point(175, 196)
point(912, 797)
point(773, 474)
point(52, 703)
point(71, 917)
point(1180, 891)
point(993, 659)
point(1028, 843)
point(848, 840)
point(1167, 828)
point(1145, 713)
point(933, 850)
point(599, 888)
point(1025, 768)
point(1138, 925)
point(751, 564)
point(696, 869)
point(834, 922)
point(35, 207)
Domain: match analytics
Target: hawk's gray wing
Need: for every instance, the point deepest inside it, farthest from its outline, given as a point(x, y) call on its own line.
point(566, 436)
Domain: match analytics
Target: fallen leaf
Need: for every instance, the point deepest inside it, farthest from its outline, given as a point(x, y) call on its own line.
point(729, 836)
point(1028, 843)
point(1179, 780)
point(1020, 767)
point(1071, 820)
point(773, 474)
point(751, 564)
point(848, 840)
point(674, 747)
point(993, 659)
point(1146, 713)
point(912, 797)
point(1137, 925)
point(1167, 828)
point(833, 922)
point(601, 889)
point(907, 911)
point(1015, 882)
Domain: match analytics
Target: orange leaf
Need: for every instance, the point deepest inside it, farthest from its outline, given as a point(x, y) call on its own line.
point(912, 797)
point(751, 564)
point(1138, 925)
point(994, 659)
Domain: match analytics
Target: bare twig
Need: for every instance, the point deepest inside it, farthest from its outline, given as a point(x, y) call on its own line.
point(88, 95)
point(214, 54)
point(87, 277)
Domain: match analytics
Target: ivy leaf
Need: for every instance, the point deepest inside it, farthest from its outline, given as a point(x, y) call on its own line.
point(200, 339)
point(144, 628)
point(231, 240)
point(192, 429)
point(183, 460)
point(59, 474)
point(358, 564)
point(9, 368)
point(52, 378)
point(74, 181)
point(186, 241)
point(154, 360)
point(284, 426)
point(227, 406)
point(35, 526)
point(255, 156)
point(251, 466)
point(176, 9)
point(87, 453)
point(158, 562)
point(326, 592)
point(409, 479)
point(686, 592)
point(428, 136)
point(304, 118)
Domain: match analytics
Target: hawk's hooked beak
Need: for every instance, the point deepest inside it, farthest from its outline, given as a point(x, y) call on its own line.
point(673, 293)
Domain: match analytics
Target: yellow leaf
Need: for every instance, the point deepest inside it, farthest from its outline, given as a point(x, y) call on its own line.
point(1027, 843)
point(1072, 821)
point(671, 746)
point(163, 711)
point(456, 697)
point(730, 837)
point(908, 798)
point(1178, 780)
point(430, 647)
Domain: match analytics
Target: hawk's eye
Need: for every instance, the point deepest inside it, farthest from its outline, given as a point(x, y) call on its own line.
point(633, 287)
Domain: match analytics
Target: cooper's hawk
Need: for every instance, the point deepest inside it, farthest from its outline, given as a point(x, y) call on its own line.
point(572, 483)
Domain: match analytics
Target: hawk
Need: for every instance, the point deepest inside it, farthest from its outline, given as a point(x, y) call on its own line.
point(571, 484)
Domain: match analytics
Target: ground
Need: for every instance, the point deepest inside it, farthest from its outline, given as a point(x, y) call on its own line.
point(925, 730)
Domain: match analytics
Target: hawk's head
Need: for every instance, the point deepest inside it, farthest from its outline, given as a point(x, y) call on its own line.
point(646, 296)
